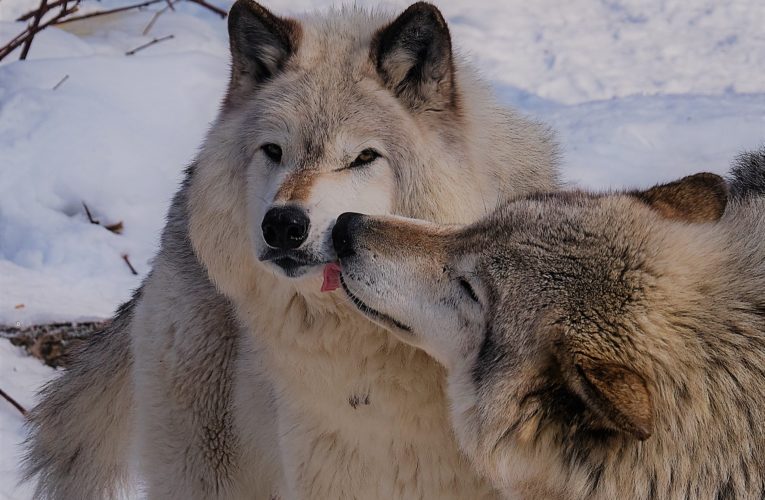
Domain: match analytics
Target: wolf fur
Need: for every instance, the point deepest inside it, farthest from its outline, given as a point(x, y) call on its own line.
point(229, 372)
point(747, 177)
point(598, 345)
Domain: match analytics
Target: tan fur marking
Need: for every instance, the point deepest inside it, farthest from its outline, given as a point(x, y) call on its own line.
point(297, 186)
point(399, 234)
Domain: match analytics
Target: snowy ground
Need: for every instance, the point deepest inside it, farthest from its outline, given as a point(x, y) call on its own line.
point(639, 91)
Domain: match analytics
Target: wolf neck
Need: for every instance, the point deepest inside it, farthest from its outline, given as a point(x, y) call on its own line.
point(707, 357)
point(382, 401)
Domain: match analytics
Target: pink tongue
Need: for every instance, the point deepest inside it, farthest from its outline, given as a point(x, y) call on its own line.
point(331, 277)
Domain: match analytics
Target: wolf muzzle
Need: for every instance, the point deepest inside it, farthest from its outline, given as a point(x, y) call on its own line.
point(346, 227)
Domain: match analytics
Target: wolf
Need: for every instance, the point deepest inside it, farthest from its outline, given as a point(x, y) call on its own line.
point(229, 373)
point(598, 345)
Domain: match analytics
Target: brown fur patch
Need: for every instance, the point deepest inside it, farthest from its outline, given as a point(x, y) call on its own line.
point(392, 235)
point(297, 186)
point(696, 198)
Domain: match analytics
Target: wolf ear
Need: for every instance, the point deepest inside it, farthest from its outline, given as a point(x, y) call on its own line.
point(261, 43)
point(696, 198)
point(413, 56)
point(617, 394)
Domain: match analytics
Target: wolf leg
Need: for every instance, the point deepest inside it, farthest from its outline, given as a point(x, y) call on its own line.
point(190, 440)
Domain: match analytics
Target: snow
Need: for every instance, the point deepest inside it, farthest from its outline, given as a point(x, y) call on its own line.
point(20, 376)
point(638, 92)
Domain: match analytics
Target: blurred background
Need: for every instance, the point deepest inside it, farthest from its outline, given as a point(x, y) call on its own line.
point(105, 111)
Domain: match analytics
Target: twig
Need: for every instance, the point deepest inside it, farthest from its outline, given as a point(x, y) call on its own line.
point(156, 16)
point(15, 42)
point(66, 77)
point(21, 37)
point(127, 261)
point(170, 4)
point(32, 30)
point(110, 11)
point(116, 228)
point(13, 402)
point(222, 13)
point(90, 216)
point(32, 13)
point(148, 44)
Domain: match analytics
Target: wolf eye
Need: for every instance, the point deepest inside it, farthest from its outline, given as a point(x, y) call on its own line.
point(364, 158)
point(273, 151)
point(468, 290)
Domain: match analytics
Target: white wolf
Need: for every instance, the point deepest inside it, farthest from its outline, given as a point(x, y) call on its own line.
point(230, 370)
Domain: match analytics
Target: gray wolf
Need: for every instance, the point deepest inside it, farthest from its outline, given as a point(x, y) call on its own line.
point(230, 373)
point(597, 345)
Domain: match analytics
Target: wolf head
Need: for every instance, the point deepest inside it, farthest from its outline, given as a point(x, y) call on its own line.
point(557, 306)
point(348, 111)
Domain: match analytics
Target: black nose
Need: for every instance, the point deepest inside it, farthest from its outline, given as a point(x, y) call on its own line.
point(343, 233)
point(285, 228)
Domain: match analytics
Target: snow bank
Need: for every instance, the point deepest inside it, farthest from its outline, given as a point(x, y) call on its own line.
point(20, 376)
point(114, 135)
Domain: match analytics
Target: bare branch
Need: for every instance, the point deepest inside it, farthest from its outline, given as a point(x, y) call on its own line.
point(13, 402)
point(66, 77)
point(156, 16)
point(90, 216)
point(32, 13)
point(33, 29)
point(22, 37)
point(107, 12)
point(222, 13)
point(127, 261)
point(148, 44)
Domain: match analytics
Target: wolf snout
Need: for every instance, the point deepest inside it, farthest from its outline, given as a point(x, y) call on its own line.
point(343, 233)
point(285, 228)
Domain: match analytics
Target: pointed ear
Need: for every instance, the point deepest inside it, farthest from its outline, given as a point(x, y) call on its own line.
point(413, 56)
point(261, 44)
point(617, 394)
point(696, 198)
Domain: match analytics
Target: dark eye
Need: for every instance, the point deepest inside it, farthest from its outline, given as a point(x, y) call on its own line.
point(273, 151)
point(468, 290)
point(364, 158)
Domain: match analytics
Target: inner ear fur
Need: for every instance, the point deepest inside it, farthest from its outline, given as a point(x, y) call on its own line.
point(696, 198)
point(615, 393)
point(261, 44)
point(413, 57)
point(618, 394)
